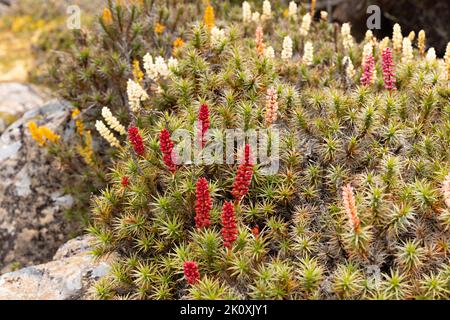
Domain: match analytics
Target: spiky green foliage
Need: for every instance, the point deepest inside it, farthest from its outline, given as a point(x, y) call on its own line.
point(391, 146)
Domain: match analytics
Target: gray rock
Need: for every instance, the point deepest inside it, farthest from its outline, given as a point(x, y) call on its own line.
point(32, 201)
point(69, 276)
point(17, 98)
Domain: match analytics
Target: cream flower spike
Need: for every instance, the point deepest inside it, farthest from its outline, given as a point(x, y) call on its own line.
point(349, 69)
point(112, 121)
point(407, 50)
point(269, 52)
point(308, 53)
point(286, 54)
point(136, 94)
point(306, 24)
point(161, 67)
point(266, 11)
point(150, 68)
point(217, 36)
point(292, 12)
point(347, 39)
point(107, 134)
point(246, 12)
point(397, 37)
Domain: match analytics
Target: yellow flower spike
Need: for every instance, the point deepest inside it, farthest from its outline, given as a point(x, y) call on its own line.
point(286, 13)
point(178, 42)
point(107, 16)
point(137, 72)
point(78, 122)
point(48, 134)
point(35, 133)
point(87, 152)
point(75, 113)
point(80, 127)
point(312, 8)
point(159, 28)
point(208, 18)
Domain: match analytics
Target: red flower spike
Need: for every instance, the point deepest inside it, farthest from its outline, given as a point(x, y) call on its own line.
point(367, 76)
point(229, 229)
point(203, 124)
point(125, 181)
point(388, 69)
point(166, 147)
point(136, 140)
point(191, 272)
point(244, 176)
point(203, 204)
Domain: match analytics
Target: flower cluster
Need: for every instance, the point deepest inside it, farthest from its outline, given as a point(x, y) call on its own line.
point(203, 124)
point(107, 17)
point(388, 69)
point(266, 11)
point(244, 175)
point(191, 272)
point(286, 53)
point(136, 94)
point(349, 68)
point(367, 75)
point(166, 147)
point(135, 139)
point(271, 106)
point(384, 44)
point(350, 207)
point(138, 75)
point(107, 134)
point(292, 12)
point(158, 68)
point(246, 12)
point(407, 50)
point(112, 121)
point(229, 227)
point(305, 26)
point(421, 42)
point(203, 204)
point(159, 28)
point(397, 37)
point(367, 51)
point(447, 60)
point(259, 40)
point(208, 18)
point(269, 53)
point(347, 39)
point(125, 181)
point(78, 122)
point(177, 43)
point(368, 37)
point(431, 55)
point(308, 53)
point(85, 150)
point(217, 37)
point(42, 134)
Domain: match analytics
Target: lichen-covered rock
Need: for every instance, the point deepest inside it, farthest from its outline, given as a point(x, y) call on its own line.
point(69, 276)
point(32, 200)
